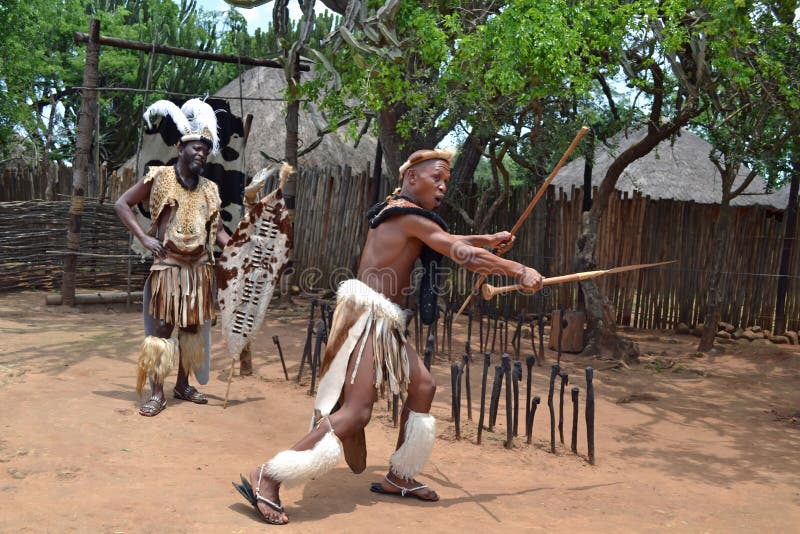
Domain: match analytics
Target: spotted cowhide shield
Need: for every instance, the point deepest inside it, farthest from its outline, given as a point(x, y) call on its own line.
point(250, 268)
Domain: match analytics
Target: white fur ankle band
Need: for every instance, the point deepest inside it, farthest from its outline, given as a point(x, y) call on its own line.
point(294, 467)
point(413, 454)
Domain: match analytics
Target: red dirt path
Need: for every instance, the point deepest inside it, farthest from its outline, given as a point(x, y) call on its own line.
point(683, 444)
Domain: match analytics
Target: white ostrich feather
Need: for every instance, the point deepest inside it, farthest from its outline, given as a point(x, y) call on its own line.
point(200, 115)
point(164, 108)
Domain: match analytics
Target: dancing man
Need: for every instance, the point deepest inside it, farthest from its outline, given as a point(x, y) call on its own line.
point(184, 210)
point(367, 344)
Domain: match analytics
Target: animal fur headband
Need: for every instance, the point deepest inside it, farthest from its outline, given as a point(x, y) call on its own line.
point(196, 120)
point(419, 156)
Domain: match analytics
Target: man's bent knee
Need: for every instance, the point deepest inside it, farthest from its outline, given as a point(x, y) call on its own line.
point(352, 420)
point(425, 387)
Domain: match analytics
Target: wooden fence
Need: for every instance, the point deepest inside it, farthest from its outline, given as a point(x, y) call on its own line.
point(643, 230)
point(33, 237)
point(21, 181)
point(330, 229)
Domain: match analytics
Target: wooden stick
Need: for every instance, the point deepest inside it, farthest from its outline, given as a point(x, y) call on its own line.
point(465, 366)
point(494, 402)
point(488, 291)
point(564, 381)
point(574, 447)
point(531, 415)
point(516, 377)
point(590, 413)
point(529, 361)
point(487, 358)
point(553, 373)
point(539, 193)
point(277, 341)
point(228, 389)
point(506, 362)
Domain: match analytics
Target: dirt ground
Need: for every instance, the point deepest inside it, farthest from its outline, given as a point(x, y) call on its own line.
point(683, 443)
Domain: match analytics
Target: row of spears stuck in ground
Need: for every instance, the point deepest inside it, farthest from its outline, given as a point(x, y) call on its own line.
point(506, 374)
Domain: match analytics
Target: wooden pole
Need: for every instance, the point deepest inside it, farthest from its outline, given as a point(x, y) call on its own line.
point(114, 42)
point(574, 446)
point(487, 358)
point(590, 413)
point(83, 145)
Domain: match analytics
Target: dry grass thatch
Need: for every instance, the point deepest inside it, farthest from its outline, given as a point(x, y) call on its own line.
point(268, 131)
point(678, 171)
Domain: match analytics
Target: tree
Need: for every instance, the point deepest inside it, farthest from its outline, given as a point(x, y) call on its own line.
point(750, 116)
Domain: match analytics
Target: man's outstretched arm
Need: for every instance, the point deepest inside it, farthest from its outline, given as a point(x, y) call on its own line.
point(471, 257)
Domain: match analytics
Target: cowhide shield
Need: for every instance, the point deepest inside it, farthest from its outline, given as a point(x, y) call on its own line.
point(250, 268)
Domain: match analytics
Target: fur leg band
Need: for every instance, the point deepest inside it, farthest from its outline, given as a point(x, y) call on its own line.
point(156, 360)
point(192, 348)
point(413, 454)
point(294, 467)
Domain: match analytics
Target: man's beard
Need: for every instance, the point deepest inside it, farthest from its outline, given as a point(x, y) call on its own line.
point(195, 167)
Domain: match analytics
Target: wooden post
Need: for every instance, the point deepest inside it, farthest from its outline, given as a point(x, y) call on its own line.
point(494, 401)
point(553, 373)
point(531, 415)
point(506, 360)
point(574, 447)
point(467, 384)
point(590, 413)
point(516, 377)
point(307, 347)
point(83, 145)
point(487, 358)
point(316, 359)
point(564, 382)
point(277, 342)
point(529, 361)
point(429, 351)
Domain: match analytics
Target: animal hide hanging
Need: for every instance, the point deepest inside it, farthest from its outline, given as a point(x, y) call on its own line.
point(250, 267)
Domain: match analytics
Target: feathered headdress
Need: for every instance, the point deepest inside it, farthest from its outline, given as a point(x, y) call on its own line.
point(196, 120)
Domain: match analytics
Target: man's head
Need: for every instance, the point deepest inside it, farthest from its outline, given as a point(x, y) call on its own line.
point(193, 155)
point(424, 176)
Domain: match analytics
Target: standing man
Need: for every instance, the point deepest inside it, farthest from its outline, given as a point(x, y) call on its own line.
point(184, 210)
point(367, 345)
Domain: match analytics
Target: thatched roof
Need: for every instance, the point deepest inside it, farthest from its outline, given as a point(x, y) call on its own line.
point(680, 171)
point(268, 131)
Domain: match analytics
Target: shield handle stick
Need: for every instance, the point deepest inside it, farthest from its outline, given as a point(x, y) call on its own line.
point(532, 204)
point(230, 379)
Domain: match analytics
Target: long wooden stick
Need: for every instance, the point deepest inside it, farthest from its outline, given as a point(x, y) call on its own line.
point(489, 291)
point(531, 205)
point(228, 389)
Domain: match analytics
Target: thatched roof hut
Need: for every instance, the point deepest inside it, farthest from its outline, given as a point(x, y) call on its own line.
point(680, 171)
point(268, 131)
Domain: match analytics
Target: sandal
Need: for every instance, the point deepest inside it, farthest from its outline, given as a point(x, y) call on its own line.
point(153, 406)
point(246, 489)
point(191, 394)
point(377, 487)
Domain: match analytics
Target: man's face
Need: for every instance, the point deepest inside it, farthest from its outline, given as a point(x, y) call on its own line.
point(428, 182)
point(194, 154)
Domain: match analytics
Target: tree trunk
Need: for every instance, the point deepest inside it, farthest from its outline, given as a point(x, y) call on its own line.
point(50, 177)
point(714, 299)
point(377, 170)
point(83, 146)
point(786, 253)
point(602, 333)
point(394, 151)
